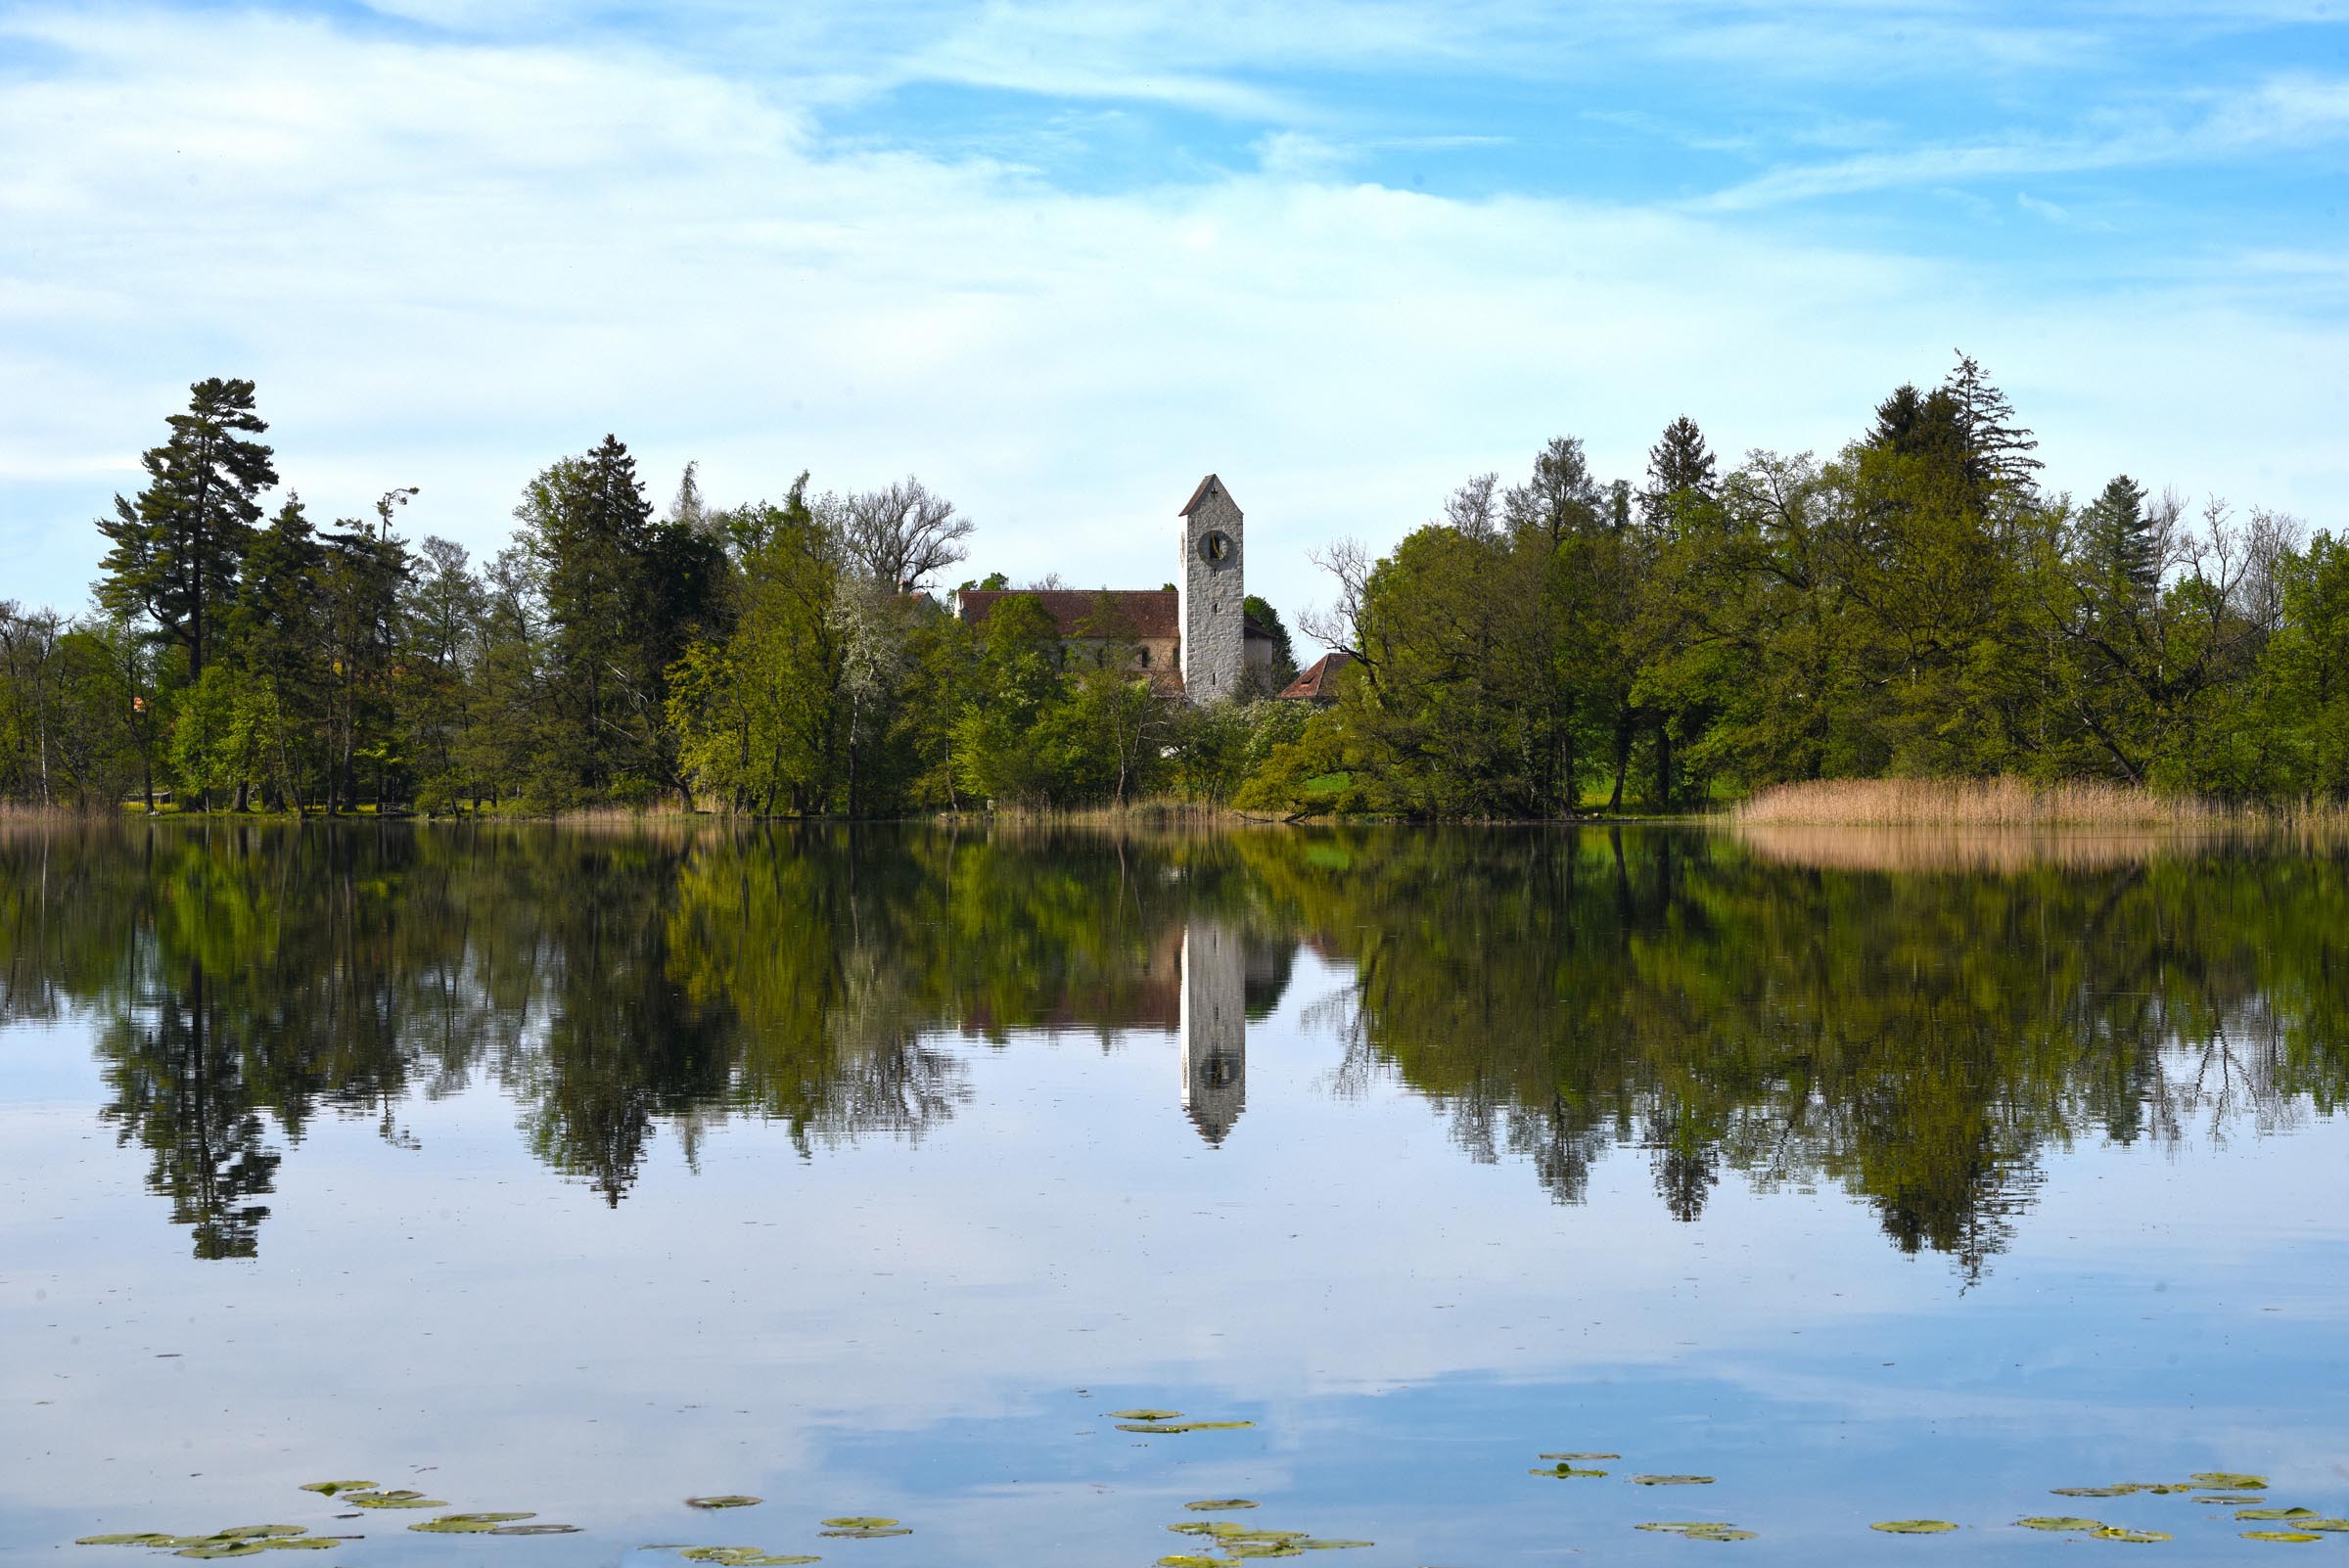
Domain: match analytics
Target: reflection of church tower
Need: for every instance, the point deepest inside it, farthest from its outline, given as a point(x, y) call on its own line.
point(1215, 1029)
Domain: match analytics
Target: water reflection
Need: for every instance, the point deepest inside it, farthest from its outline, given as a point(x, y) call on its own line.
point(1921, 1037)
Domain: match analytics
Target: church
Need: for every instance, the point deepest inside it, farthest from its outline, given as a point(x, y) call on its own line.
point(1196, 637)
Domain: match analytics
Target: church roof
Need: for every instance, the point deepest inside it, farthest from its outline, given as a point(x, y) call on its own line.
point(1152, 613)
point(1318, 684)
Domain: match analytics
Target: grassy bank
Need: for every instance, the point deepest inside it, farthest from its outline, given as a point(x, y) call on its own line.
point(2010, 803)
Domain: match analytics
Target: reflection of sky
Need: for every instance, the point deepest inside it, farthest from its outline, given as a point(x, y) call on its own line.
point(931, 1332)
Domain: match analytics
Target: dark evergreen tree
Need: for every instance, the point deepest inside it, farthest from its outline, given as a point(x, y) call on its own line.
point(176, 549)
point(1679, 465)
point(2116, 545)
point(1998, 450)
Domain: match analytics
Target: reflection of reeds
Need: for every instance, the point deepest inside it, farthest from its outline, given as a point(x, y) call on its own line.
point(1964, 849)
point(2008, 802)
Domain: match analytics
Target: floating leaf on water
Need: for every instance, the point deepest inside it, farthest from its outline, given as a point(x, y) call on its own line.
point(867, 1532)
point(1698, 1529)
point(330, 1488)
point(2234, 1499)
point(2122, 1489)
point(536, 1530)
point(2045, 1521)
point(466, 1524)
point(727, 1499)
point(1219, 1504)
point(258, 1532)
point(2277, 1513)
point(860, 1521)
point(1913, 1527)
point(1165, 1427)
point(1190, 1560)
point(302, 1543)
point(2230, 1480)
point(1145, 1415)
point(2282, 1535)
point(143, 1537)
point(2137, 1537)
point(394, 1500)
point(221, 1549)
point(1672, 1480)
point(1571, 1457)
point(2330, 1526)
point(1564, 1471)
point(2164, 1489)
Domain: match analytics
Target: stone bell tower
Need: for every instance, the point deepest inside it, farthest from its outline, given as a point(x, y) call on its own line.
point(1211, 593)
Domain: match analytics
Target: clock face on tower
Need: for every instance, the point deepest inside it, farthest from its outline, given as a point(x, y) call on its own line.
point(1216, 547)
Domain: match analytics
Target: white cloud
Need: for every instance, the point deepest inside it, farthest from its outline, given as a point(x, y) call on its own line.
point(449, 262)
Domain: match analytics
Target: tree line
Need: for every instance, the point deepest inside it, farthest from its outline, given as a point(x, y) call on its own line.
point(1917, 605)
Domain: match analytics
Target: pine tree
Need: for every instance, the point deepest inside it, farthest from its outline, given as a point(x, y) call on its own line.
point(2117, 547)
point(1998, 450)
point(1679, 465)
point(177, 550)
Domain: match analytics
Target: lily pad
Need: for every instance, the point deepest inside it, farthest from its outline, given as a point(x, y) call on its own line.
point(466, 1524)
point(394, 1500)
point(142, 1538)
point(301, 1544)
point(330, 1488)
point(1913, 1527)
point(1672, 1480)
point(727, 1499)
point(1699, 1529)
point(2330, 1526)
point(2065, 1522)
point(1219, 1504)
point(742, 1556)
point(2234, 1499)
point(1145, 1415)
point(221, 1549)
point(1563, 1471)
point(2230, 1480)
point(1160, 1428)
point(1571, 1457)
point(867, 1533)
point(2282, 1535)
point(2277, 1513)
point(860, 1521)
point(1183, 1559)
point(2120, 1489)
point(258, 1532)
point(2137, 1537)
point(536, 1530)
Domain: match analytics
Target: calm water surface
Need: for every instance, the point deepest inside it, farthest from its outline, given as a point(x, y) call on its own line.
point(583, 1172)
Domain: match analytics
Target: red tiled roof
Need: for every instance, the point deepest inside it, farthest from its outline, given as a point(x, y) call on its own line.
point(1319, 683)
point(1150, 613)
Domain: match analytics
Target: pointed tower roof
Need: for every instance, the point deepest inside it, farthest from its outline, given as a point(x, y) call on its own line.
point(1207, 488)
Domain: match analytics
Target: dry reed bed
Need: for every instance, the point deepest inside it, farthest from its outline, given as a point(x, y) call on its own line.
point(2012, 803)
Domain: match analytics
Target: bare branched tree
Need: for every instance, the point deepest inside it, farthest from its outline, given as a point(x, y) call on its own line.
point(1474, 509)
point(1340, 627)
point(903, 535)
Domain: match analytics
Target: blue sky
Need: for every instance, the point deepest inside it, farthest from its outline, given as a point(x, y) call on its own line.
point(1060, 259)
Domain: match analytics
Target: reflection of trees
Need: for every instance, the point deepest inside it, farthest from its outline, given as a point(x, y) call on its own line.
point(1918, 1037)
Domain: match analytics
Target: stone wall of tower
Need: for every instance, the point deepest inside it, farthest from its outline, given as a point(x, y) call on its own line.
point(1215, 1028)
point(1213, 595)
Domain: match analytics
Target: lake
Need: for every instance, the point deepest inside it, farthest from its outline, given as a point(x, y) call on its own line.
point(952, 1177)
